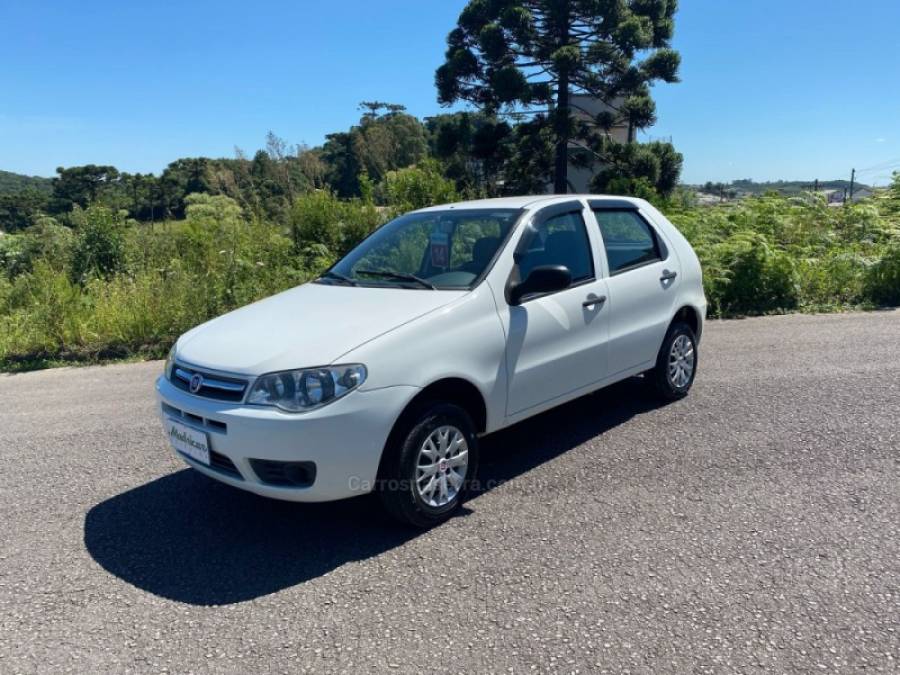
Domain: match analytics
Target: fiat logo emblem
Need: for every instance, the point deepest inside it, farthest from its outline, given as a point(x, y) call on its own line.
point(196, 383)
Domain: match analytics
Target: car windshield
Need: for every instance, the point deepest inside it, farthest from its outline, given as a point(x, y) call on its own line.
point(446, 249)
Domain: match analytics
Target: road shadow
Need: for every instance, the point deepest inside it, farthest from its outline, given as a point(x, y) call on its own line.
point(188, 538)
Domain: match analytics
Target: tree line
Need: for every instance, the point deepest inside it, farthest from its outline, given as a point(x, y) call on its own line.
point(483, 155)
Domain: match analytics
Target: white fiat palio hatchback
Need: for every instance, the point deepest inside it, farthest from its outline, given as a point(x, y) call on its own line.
point(445, 324)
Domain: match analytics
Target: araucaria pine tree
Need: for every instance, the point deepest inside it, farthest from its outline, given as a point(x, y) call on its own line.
point(532, 55)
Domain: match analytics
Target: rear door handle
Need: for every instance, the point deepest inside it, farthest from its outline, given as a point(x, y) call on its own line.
point(668, 276)
point(590, 302)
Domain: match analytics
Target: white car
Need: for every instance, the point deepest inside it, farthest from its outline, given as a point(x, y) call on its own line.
point(445, 324)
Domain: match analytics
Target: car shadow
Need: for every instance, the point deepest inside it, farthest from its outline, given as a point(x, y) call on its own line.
point(191, 539)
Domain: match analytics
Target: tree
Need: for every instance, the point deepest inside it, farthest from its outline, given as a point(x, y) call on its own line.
point(179, 179)
point(473, 148)
point(378, 144)
point(642, 170)
point(82, 186)
point(18, 209)
point(281, 154)
point(532, 159)
point(514, 55)
point(311, 167)
point(373, 108)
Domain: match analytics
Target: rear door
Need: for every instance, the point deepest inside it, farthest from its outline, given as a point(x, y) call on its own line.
point(643, 276)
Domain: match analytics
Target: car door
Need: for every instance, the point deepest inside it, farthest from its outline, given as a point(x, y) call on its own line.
point(642, 283)
point(556, 342)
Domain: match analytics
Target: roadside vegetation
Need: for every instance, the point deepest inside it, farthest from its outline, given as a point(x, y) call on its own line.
point(97, 285)
point(775, 254)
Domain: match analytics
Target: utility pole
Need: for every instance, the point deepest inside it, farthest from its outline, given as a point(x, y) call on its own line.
point(852, 180)
point(816, 188)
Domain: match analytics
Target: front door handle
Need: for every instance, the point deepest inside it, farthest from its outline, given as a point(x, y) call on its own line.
point(668, 276)
point(590, 302)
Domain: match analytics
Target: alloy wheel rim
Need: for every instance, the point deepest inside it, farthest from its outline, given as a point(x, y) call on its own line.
point(442, 465)
point(681, 361)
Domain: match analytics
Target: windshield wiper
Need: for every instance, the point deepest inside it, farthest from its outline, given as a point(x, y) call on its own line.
point(331, 274)
point(385, 274)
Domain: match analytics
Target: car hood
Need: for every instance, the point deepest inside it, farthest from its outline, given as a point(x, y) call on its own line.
point(311, 325)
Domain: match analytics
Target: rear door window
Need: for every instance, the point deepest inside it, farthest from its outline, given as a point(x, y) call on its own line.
point(629, 241)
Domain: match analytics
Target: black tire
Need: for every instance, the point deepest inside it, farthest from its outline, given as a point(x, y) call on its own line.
point(397, 477)
point(659, 379)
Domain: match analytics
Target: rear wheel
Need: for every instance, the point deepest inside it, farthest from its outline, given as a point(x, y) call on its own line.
point(676, 364)
point(429, 465)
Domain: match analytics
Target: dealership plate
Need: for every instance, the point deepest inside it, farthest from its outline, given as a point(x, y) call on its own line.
point(194, 444)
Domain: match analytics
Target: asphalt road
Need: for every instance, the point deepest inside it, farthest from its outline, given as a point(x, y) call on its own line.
point(754, 526)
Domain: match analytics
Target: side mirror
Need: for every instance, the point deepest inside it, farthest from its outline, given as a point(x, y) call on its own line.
point(542, 279)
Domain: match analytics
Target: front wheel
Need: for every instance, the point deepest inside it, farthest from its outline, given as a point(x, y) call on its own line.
point(676, 364)
point(429, 466)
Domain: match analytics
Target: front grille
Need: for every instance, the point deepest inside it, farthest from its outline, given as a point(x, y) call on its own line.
point(211, 385)
point(205, 422)
point(284, 474)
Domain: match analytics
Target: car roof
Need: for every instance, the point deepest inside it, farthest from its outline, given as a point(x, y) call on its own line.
point(523, 202)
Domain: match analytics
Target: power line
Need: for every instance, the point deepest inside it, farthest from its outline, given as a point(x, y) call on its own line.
point(883, 165)
point(880, 168)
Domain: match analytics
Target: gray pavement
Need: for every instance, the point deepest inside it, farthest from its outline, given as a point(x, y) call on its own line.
point(754, 526)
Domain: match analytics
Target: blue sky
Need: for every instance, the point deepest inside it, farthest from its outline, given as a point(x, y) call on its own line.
point(793, 89)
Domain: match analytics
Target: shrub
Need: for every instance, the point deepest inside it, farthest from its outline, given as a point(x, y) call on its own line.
point(171, 277)
point(634, 187)
point(833, 280)
point(747, 274)
point(99, 246)
point(13, 259)
point(5, 290)
point(48, 240)
point(324, 228)
point(417, 187)
point(45, 240)
point(882, 284)
point(142, 313)
point(46, 314)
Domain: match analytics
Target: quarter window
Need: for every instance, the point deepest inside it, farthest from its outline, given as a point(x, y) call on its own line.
point(629, 240)
point(560, 240)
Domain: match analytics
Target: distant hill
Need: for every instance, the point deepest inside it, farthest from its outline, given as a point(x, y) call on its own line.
point(15, 182)
point(793, 186)
point(785, 187)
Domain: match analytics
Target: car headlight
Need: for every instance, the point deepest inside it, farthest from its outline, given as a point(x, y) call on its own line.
point(170, 361)
point(307, 389)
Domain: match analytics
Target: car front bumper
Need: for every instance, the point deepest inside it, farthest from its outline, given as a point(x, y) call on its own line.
point(344, 439)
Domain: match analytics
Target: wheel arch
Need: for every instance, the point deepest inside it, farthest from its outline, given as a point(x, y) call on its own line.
point(454, 390)
point(691, 316)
